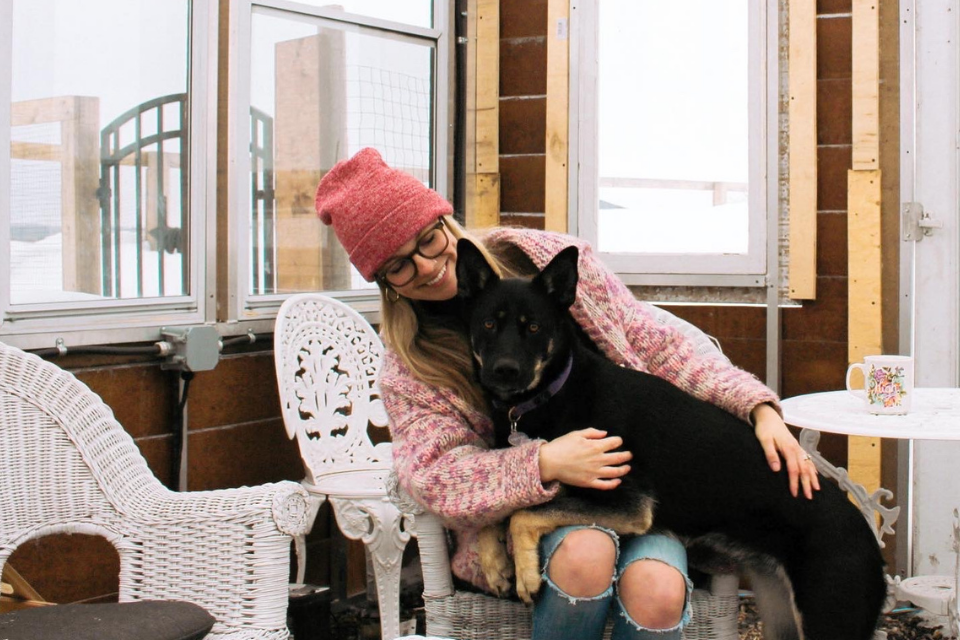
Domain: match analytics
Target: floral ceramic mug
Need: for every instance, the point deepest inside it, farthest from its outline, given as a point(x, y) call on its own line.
point(887, 383)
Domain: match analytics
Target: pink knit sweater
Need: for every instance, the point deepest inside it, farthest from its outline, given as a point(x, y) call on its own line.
point(441, 445)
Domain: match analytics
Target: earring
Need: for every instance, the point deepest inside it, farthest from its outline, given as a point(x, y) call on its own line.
point(396, 296)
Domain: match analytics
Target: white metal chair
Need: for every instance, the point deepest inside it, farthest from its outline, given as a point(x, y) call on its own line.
point(327, 360)
point(69, 467)
point(467, 615)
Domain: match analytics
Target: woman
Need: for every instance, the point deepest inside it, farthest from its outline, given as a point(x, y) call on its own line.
point(401, 235)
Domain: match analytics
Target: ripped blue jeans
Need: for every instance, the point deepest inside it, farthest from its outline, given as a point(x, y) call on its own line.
point(558, 616)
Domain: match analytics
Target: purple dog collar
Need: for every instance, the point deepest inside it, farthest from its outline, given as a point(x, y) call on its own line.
point(516, 412)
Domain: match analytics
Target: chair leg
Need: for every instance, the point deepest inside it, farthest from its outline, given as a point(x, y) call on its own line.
point(378, 523)
point(314, 500)
point(300, 548)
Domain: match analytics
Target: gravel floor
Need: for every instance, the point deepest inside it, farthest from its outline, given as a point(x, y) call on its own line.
point(901, 626)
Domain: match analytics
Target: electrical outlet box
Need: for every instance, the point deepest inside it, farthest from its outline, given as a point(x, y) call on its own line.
point(193, 348)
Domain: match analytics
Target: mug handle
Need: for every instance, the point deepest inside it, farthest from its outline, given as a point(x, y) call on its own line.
point(860, 393)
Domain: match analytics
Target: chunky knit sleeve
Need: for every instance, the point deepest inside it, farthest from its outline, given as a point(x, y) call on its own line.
point(442, 455)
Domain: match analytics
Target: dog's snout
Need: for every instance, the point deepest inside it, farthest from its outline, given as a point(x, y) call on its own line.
point(506, 369)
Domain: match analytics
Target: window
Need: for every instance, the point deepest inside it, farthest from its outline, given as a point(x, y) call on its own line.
point(674, 98)
point(101, 164)
point(319, 84)
point(119, 212)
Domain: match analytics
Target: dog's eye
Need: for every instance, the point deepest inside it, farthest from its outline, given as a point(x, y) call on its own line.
point(533, 327)
point(489, 325)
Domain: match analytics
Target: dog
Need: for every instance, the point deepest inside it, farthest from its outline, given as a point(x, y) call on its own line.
point(697, 471)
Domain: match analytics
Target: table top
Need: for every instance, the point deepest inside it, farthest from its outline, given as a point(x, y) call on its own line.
point(934, 415)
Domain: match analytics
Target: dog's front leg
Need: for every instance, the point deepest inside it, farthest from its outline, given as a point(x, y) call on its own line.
point(526, 529)
point(527, 526)
point(494, 561)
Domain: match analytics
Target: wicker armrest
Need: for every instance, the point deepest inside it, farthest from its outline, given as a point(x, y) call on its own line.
point(285, 502)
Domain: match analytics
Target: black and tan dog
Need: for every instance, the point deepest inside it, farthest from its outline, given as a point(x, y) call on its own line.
point(697, 470)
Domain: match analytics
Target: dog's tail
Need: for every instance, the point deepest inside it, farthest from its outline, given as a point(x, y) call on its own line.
point(775, 602)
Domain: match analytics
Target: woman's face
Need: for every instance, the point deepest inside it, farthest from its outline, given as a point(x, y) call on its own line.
point(436, 278)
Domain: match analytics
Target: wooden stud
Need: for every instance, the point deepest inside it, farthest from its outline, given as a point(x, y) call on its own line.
point(309, 126)
point(488, 86)
point(558, 115)
point(866, 85)
point(803, 150)
point(482, 202)
point(79, 157)
point(864, 243)
point(865, 308)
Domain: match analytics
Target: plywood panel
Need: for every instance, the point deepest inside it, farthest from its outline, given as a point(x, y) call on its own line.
point(488, 81)
point(866, 85)
point(558, 113)
point(482, 198)
point(865, 336)
point(803, 150)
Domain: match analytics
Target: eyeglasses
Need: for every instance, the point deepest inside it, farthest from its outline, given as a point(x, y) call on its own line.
point(401, 271)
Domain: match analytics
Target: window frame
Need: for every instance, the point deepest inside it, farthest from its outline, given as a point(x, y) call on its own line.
point(259, 311)
point(218, 90)
point(31, 326)
point(690, 269)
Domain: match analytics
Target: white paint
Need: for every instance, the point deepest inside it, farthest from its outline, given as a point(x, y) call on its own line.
point(930, 81)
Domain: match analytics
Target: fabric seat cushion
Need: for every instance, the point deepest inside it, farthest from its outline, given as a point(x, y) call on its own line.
point(143, 620)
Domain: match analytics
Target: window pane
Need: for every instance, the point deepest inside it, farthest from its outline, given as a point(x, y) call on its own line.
point(418, 13)
point(98, 153)
point(318, 95)
point(673, 126)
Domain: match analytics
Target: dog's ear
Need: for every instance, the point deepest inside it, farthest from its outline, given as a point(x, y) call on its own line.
point(559, 278)
point(474, 273)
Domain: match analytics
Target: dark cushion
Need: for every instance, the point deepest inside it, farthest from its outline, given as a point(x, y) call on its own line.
point(144, 620)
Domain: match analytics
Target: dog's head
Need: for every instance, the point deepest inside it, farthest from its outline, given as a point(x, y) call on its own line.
point(518, 328)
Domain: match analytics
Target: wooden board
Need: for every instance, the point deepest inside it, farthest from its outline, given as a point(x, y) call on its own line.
point(482, 201)
point(865, 308)
point(866, 85)
point(803, 150)
point(558, 115)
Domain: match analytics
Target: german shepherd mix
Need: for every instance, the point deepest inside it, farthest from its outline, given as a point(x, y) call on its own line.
point(697, 471)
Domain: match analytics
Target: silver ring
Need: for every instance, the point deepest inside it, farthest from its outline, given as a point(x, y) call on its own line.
point(806, 458)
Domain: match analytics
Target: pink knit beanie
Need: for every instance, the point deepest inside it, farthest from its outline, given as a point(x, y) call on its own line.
point(374, 209)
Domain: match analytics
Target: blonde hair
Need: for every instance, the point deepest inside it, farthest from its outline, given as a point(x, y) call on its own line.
point(439, 356)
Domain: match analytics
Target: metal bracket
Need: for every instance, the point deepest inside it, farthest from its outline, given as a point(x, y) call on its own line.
point(917, 223)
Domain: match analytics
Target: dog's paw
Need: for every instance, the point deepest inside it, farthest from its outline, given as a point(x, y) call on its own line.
point(528, 582)
point(494, 561)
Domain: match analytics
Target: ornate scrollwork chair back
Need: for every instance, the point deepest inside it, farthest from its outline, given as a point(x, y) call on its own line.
point(327, 360)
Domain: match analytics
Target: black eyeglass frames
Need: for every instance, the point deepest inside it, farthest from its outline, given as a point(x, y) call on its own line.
point(400, 272)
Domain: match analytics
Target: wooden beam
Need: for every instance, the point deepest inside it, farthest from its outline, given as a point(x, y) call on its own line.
point(865, 308)
point(558, 115)
point(488, 86)
point(866, 85)
point(803, 150)
point(308, 132)
point(80, 208)
point(864, 239)
point(482, 202)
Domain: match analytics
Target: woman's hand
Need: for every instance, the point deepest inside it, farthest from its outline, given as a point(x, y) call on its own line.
point(777, 441)
point(584, 458)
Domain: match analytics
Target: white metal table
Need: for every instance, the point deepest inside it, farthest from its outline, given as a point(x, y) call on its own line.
point(934, 415)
